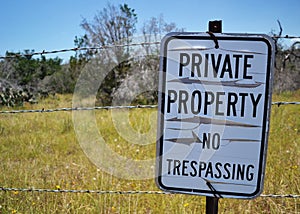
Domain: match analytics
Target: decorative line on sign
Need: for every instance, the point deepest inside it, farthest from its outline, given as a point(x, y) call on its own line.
point(233, 83)
point(205, 120)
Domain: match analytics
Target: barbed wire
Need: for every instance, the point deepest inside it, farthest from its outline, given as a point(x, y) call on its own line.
point(130, 192)
point(286, 37)
point(44, 52)
point(77, 109)
point(280, 103)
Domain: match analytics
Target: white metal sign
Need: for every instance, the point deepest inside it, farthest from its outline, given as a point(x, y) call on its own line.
point(214, 108)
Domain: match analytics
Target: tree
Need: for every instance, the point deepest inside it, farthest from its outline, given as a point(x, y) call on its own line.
point(154, 30)
point(26, 71)
point(78, 61)
point(21, 76)
point(112, 26)
point(115, 27)
point(140, 86)
point(287, 64)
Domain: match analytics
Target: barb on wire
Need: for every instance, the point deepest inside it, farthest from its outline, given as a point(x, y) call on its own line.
point(131, 192)
point(106, 108)
point(78, 49)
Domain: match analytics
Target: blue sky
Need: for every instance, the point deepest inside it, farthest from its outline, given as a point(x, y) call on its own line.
point(48, 25)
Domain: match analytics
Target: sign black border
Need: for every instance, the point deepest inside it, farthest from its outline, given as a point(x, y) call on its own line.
point(265, 125)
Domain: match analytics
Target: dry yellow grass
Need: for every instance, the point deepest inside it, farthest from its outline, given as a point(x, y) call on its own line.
point(41, 150)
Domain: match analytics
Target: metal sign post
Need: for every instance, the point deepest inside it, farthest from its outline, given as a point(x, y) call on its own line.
point(212, 203)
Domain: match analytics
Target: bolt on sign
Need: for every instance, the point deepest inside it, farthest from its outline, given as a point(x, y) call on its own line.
point(214, 110)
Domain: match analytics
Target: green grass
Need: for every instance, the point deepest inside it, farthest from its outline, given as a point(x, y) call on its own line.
point(40, 150)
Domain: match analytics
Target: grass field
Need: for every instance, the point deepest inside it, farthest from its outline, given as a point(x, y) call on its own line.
point(40, 150)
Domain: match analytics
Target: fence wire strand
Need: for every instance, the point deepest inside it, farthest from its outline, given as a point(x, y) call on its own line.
point(77, 109)
point(130, 192)
point(281, 103)
point(44, 52)
point(286, 37)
